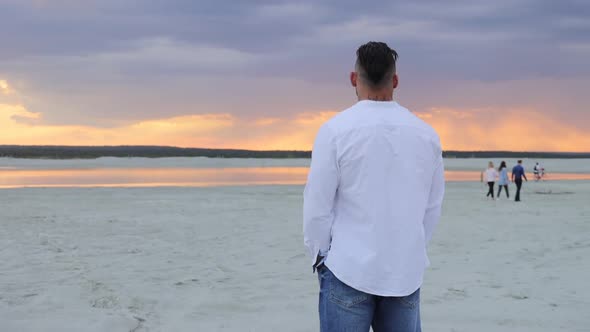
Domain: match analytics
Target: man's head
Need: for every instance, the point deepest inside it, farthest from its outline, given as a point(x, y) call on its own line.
point(520, 162)
point(374, 75)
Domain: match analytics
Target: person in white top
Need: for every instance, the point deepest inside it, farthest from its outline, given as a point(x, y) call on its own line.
point(536, 171)
point(372, 200)
point(490, 175)
point(539, 172)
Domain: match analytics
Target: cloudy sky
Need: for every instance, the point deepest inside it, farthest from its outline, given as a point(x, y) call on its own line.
point(505, 74)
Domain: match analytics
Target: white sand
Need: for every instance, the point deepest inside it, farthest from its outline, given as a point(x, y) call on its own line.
point(231, 259)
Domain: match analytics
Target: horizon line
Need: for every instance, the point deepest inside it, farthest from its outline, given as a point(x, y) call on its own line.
point(251, 150)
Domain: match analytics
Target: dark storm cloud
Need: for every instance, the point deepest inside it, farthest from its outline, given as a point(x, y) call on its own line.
point(523, 36)
point(123, 60)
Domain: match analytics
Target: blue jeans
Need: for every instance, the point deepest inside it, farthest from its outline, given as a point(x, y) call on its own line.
point(345, 309)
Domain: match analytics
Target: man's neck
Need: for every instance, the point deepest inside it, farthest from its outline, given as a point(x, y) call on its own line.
point(376, 98)
point(375, 95)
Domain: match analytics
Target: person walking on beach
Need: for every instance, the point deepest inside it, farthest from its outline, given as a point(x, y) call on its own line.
point(490, 175)
point(536, 171)
point(539, 172)
point(503, 181)
point(372, 199)
point(517, 175)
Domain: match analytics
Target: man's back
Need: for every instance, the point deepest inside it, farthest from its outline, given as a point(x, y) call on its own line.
point(373, 196)
point(390, 189)
point(518, 172)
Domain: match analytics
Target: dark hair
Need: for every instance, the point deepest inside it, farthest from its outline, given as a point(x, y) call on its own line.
point(502, 165)
point(375, 63)
point(520, 161)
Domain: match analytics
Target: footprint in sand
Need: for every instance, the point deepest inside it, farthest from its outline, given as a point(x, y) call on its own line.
point(461, 293)
point(453, 294)
point(519, 297)
point(102, 296)
point(186, 282)
point(106, 302)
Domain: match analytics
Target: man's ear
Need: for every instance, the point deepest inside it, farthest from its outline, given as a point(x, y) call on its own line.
point(353, 78)
point(395, 81)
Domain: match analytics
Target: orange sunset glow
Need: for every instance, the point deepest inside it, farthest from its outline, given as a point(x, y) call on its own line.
point(82, 74)
point(459, 130)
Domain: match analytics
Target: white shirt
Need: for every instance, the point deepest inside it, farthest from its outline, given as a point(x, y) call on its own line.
point(373, 197)
point(490, 175)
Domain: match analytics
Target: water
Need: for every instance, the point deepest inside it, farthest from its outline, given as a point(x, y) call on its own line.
point(189, 177)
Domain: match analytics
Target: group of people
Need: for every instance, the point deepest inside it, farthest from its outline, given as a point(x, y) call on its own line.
point(491, 175)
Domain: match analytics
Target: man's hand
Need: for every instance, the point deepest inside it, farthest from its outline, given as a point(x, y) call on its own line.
point(318, 263)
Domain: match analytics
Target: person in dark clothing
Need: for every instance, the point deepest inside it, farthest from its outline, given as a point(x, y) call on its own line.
point(517, 175)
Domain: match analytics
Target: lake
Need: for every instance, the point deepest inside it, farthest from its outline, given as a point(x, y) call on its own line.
point(12, 177)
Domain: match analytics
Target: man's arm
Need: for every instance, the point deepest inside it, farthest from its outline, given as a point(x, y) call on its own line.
point(318, 197)
point(435, 200)
point(524, 175)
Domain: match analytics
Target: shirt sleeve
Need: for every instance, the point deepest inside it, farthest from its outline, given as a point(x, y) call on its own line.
point(319, 194)
point(435, 200)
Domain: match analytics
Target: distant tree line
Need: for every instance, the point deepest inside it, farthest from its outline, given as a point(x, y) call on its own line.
point(92, 152)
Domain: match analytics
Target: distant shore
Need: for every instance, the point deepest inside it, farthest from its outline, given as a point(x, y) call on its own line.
point(93, 152)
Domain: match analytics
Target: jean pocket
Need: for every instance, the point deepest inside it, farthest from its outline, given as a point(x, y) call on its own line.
point(320, 272)
point(411, 301)
point(344, 295)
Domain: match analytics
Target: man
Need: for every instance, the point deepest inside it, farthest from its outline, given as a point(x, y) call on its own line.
point(517, 176)
point(372, 199)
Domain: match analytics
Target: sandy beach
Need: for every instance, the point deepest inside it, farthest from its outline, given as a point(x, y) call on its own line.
point(247, 92)
point(232, 259)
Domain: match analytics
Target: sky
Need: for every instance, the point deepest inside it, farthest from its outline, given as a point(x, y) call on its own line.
point(487, 75)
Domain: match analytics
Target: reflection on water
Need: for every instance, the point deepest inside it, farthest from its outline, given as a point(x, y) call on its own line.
point(191, 177)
